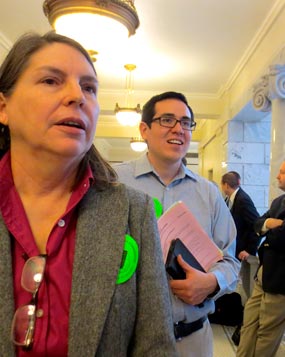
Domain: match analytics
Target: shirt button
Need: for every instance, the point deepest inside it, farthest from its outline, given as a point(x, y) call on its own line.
point(61, 223)
point(40, 313)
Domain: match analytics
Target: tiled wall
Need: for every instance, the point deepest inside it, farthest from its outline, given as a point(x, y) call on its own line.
point(248, 150)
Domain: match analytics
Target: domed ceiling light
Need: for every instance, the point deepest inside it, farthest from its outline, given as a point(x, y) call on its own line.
point(96, 24)
point(138, 144)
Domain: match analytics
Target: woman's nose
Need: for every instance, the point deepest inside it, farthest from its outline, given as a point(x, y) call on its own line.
point(74, 94)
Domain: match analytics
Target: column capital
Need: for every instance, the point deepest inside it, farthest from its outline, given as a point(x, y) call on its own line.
point(270, 86)
point(277, 81)
point(261, 97)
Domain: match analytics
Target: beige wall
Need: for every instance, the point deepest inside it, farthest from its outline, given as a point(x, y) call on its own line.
point(267, 48)
point(211, 157)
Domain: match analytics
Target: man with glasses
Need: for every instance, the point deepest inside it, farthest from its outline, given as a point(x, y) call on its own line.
point(166, 126)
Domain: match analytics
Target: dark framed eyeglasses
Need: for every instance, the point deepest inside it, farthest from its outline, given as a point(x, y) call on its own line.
point(24, 321)
point(170, 122)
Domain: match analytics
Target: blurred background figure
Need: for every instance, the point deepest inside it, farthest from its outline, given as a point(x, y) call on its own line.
point(264, 314)
point(244, 214)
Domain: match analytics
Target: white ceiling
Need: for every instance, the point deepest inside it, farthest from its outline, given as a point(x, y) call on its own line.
point(191, 46)
point(194, 47)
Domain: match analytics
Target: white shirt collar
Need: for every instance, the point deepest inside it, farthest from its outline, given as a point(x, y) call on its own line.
point(232, 196)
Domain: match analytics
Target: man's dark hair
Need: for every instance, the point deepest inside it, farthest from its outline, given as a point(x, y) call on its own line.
point(148, 110)
point(232, 178)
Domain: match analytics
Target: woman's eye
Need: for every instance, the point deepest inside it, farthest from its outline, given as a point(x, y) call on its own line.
point(49, 81)
point(90, 88)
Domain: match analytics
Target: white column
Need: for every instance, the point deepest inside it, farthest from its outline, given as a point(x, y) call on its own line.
point(269, 94)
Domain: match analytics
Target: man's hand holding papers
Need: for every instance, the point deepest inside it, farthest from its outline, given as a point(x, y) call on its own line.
point(179, 222)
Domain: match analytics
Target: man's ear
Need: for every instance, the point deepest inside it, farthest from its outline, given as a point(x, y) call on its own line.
point(3, 112)
point(143, 129)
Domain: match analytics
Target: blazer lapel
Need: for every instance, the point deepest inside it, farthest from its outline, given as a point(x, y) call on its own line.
point(6, 291)
point(280, 207)
point(101, 228)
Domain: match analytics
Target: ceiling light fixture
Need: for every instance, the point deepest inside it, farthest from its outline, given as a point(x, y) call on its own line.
point(127, 115)
point(138, 144)
point(96, 24)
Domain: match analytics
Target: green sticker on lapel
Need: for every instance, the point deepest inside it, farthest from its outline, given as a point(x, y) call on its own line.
point(158, 208)
point(130, 260)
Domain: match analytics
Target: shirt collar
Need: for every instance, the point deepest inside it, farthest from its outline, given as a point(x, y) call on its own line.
point(233, 195)
point(143, 167)
point(5, 171)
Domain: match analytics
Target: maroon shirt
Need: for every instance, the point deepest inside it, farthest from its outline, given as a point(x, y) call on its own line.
point(51, 331)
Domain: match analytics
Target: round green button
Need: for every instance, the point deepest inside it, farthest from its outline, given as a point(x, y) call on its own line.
point(158, 208)
point(129, 260)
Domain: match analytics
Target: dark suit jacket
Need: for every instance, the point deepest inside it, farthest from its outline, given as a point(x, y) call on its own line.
point(272, 250)
point(244, 214)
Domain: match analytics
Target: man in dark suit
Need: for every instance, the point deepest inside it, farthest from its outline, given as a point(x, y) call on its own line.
point(264, 314)
point(244, 214)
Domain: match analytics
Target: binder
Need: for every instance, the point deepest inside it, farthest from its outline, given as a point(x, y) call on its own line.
point(172, 266)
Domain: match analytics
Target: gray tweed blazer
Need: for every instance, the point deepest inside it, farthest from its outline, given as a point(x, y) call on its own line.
point(107, 319)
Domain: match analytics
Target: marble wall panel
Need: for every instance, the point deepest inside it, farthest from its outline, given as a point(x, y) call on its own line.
point(236, 131)
point(257, 132)
point(246, 153)
point(267, 154)
point(256, 175)
point(256, 193)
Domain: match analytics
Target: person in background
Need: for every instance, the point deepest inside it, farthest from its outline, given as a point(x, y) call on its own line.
point(244, 214)
point(166, 126)
point(264, 314)
point(80, 257)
